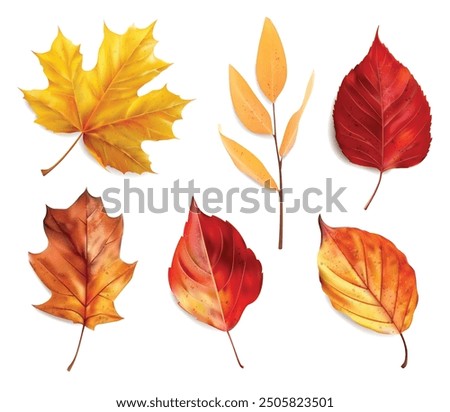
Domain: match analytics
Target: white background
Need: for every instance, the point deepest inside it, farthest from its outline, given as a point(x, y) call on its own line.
point(290, 340)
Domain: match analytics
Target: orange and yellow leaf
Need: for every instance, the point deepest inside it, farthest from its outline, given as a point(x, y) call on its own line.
point(247, 106)
point(290, 134)
point(271, 67)
point(368, 279)
point(248, 163)
point(102, 104)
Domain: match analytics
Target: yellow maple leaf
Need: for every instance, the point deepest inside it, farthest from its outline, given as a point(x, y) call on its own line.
point(103, 104)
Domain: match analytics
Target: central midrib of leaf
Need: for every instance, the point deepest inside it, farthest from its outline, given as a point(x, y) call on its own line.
point(86, 260)
point(210, 270)
point(382, 120)
point(90, 259)
point(105, 92)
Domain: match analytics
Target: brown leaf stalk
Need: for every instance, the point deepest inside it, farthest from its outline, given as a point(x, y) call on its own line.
point(47, 171)
point(280, 180)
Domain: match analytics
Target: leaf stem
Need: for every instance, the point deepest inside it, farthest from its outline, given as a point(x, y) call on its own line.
point(47, 171)
point(374, 192)
point(280, 178)
point(234, 350)
point(78, 348)
point(405, 362)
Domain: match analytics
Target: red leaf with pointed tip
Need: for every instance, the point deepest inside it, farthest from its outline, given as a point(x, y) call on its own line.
point(214, 276)
point(381, 116)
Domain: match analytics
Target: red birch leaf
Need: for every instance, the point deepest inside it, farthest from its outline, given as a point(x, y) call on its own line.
point(214, 276)
point(381, 116)
point(81, 265)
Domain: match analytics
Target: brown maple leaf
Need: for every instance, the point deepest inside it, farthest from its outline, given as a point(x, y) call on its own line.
point(81, 265)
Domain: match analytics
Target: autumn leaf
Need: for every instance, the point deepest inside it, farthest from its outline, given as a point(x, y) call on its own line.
point(368, 279)
point(271, 74)
point(214, 276)
point(271, 66)
point(81, 265)
point(290, 134)
point(381, 116)
point(102, 104)
point(248, 163)
point(247, 106)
